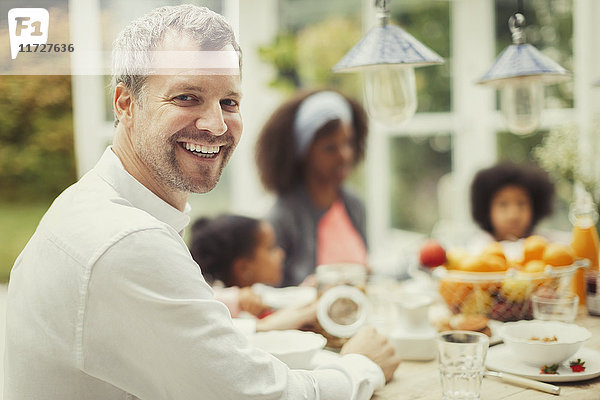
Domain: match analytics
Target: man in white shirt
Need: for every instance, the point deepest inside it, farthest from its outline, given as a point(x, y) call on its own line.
point(105, 301)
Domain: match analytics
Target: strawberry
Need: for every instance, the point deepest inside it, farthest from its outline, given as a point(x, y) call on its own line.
point(550, 369)
point(577, 366)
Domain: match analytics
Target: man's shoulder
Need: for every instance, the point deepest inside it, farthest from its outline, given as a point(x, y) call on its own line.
point(90, 219)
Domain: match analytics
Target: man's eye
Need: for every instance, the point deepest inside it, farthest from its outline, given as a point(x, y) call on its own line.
point(183, 97)
point(230, 103)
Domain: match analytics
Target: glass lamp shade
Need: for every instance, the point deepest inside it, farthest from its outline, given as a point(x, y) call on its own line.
point(391, 93)
point(521, 102)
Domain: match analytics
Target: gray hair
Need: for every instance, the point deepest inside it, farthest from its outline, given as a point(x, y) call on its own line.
point(132, 48)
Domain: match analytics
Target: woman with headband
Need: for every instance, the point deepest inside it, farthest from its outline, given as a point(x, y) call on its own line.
point(305, 151)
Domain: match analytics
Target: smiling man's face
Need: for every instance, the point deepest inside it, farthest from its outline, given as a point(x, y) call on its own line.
point(185, 127)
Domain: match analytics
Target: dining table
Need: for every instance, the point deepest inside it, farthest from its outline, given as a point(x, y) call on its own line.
point(420, 380)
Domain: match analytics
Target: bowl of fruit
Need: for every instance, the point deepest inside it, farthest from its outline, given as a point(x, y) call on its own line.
point(488, 283)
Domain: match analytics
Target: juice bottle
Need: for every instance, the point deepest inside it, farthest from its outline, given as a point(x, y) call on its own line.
point(584, 244)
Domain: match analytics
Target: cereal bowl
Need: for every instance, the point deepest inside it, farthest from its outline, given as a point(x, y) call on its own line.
point(539, 343)
point(293, 347)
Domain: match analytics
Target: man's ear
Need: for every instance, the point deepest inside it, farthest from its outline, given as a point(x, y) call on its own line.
point(123, 104)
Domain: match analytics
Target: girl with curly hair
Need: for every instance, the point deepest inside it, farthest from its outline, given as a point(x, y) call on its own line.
point(508, 200)
point(305, 151)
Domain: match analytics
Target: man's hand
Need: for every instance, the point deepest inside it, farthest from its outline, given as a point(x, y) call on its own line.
point(251, 302)
point(376, 347)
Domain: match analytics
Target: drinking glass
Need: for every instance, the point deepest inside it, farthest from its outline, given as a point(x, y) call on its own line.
point(593, 294)
point(462, 363)
point(561, 308)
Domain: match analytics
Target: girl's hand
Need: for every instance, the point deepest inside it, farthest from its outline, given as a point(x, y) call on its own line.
point(289, 318)
point(251, 302)
point(310, 281)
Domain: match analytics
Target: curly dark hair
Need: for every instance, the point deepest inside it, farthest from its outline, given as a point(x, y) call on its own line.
point(279, 168)
point(489, 181)
point(216, 243)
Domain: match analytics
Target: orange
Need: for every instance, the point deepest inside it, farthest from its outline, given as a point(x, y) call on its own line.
point(493, 263)
point(516, 264)
point(455, 256)
point(483, 263)
point(454, 292)
point(471, 264)
point(534, 266)
point(533, 248)
point(558, 255)
point(494, 248)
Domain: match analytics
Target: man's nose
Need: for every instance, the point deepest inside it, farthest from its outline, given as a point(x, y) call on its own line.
point(211, 120)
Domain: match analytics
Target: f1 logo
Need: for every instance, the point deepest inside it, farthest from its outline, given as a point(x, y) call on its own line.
point(27, 26)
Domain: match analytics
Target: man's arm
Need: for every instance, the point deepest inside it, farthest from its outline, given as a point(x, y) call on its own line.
point(152, 328)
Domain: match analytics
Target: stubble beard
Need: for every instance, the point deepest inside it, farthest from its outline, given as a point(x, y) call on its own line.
point(162, 162)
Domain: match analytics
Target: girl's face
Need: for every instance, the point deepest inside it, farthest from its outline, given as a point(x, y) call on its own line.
point(330, 157)
point(265, 264)
point(511, 213)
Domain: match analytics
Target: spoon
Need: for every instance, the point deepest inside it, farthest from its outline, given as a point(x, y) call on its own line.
point(525, 382)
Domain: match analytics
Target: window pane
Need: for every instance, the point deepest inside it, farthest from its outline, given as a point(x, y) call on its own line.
point(296, 14)
point(417, 164)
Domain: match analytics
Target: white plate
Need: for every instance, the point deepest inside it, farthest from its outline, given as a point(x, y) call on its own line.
point(500, 358)
point(495, 327)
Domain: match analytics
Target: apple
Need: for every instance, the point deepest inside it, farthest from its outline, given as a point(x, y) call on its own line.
point(432, 254)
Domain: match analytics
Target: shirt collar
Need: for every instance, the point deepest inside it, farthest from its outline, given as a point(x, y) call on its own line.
point(112, 171)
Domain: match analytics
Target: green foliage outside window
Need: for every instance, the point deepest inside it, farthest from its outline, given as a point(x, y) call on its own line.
point(36, 137)
point(417, 164)
point(304, 59)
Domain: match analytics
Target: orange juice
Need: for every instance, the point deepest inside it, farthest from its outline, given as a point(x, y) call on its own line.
point(585, 245)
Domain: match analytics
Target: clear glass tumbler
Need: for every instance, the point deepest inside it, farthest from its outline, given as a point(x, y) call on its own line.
point(560, 308)
point(593, 294)
point(462, 363)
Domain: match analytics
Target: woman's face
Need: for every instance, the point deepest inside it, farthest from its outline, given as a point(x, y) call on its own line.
point(511, 213)
point(265, 264)
point(330, 157)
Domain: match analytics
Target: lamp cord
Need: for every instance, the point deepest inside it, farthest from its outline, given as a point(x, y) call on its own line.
point(381, 4)
point(520, 7)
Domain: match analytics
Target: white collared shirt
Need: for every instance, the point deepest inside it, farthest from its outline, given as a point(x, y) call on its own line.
point(105, 302)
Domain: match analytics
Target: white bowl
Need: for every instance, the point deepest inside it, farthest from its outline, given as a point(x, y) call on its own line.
point(293, 347)
point(518, 336)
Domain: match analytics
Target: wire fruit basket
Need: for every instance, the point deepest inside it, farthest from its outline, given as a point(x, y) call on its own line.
point(503, 296)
